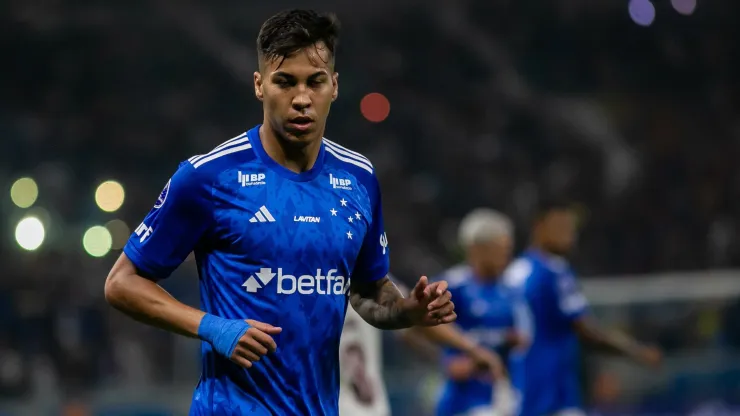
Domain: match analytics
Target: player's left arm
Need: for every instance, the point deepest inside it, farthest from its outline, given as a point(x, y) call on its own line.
point(374, 296)
point(382, 305)
point(574, 306)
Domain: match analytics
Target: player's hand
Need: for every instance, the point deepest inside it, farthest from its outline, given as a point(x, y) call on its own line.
point(461, 368)
point(650, 356)
point(516, 340)
point(430, 304)
point(488, 360)
point(255, 343)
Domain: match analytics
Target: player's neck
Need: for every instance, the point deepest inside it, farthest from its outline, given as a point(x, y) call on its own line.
point(538, 246)
point(542, 248)
point(295, 157)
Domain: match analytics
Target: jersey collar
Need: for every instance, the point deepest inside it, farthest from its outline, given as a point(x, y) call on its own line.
point(256, 141)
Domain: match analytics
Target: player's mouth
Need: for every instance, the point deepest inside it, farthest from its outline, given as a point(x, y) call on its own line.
point(300, 123)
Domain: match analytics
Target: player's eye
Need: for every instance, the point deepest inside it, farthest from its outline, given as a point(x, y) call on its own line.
point(316, 82)
point(282, 83)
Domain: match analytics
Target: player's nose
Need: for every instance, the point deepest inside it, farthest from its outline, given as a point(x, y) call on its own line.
point(301, 101)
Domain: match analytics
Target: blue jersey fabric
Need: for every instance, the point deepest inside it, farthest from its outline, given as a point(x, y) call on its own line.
point(485, 314)
point(275, 246)
point(546, 373)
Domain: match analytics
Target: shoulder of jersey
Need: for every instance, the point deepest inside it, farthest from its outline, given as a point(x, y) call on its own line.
point(224, 155)
point(457, 276)
point(517, 273)
point(347, 159)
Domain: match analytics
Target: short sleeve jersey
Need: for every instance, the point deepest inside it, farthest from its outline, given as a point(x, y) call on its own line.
point(485, 314)
point(550, 299)
point(276, 246)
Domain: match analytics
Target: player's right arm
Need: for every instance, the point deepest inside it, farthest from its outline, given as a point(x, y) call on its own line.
point(181, 219)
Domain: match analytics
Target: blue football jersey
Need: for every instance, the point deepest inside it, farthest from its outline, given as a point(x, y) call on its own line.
point(546, 373)
point(485, 314)
point(276, 246)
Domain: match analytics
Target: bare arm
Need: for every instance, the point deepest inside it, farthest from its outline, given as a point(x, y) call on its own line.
point(450, 335)
point(147, 302)
point(380, 304)
point(615, 342)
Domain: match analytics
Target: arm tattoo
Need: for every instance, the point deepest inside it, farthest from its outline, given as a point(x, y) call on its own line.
point(379, 304)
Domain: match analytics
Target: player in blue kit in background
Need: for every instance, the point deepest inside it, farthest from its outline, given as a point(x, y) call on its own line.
point(287, 228)
point(484, 313)
point(554, 315)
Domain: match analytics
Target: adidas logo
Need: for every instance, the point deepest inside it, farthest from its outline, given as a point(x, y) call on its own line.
point(263, 215)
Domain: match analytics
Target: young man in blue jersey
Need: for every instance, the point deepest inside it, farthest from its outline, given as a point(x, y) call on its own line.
point(285, 226)
point(484, 313)
point(554, 315)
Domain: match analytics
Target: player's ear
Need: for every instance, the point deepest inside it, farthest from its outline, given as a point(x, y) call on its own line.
point(258, 92)
point(335, 82)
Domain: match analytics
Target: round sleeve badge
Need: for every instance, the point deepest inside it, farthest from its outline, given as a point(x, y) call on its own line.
point(163, 196)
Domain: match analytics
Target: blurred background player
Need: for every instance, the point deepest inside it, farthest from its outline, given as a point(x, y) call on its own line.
point(484, 313)
point(362, 389)
point(553, 315)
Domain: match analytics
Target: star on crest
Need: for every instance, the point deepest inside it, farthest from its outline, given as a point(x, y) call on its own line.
point(357, 215)
point(343, 202)
point(333, 212)
point(349, 235)
point(349, 219)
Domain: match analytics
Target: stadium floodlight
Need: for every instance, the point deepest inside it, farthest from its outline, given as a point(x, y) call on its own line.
point(30, 233)
point(109, 196)
point(685, 7)
point(642, 12)
point(24, 192)
point(97, 241)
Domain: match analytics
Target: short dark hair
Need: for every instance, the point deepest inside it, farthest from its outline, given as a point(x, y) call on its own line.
point(548, 205)
point(290, 31)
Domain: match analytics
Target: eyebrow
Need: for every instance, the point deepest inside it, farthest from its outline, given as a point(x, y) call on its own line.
point(291, 76)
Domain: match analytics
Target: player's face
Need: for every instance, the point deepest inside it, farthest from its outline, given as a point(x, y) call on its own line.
point(559, 229)
point(491, 258)
point(297, 93)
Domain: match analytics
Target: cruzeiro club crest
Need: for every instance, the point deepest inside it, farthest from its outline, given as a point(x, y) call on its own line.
point(163, 195)
point(384, 242)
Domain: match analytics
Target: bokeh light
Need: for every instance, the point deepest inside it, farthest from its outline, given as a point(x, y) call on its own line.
point(24, 192)
point(375, 107)
point(642, 12)
point(30, 233)
point(97, 241)
point(685, 7)
point(119, 232)
point(109, 196)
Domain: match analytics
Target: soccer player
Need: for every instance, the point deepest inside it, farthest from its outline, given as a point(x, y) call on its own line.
point(485, 312)
point(285, 226)
point(362, 391)
point(554, 315)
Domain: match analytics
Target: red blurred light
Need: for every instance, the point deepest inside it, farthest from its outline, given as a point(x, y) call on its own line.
point(375, 107)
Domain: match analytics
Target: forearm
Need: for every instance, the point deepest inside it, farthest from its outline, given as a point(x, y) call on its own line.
point(608, 341)
point(447, 335)
point(149, 303)
point(380, 304)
